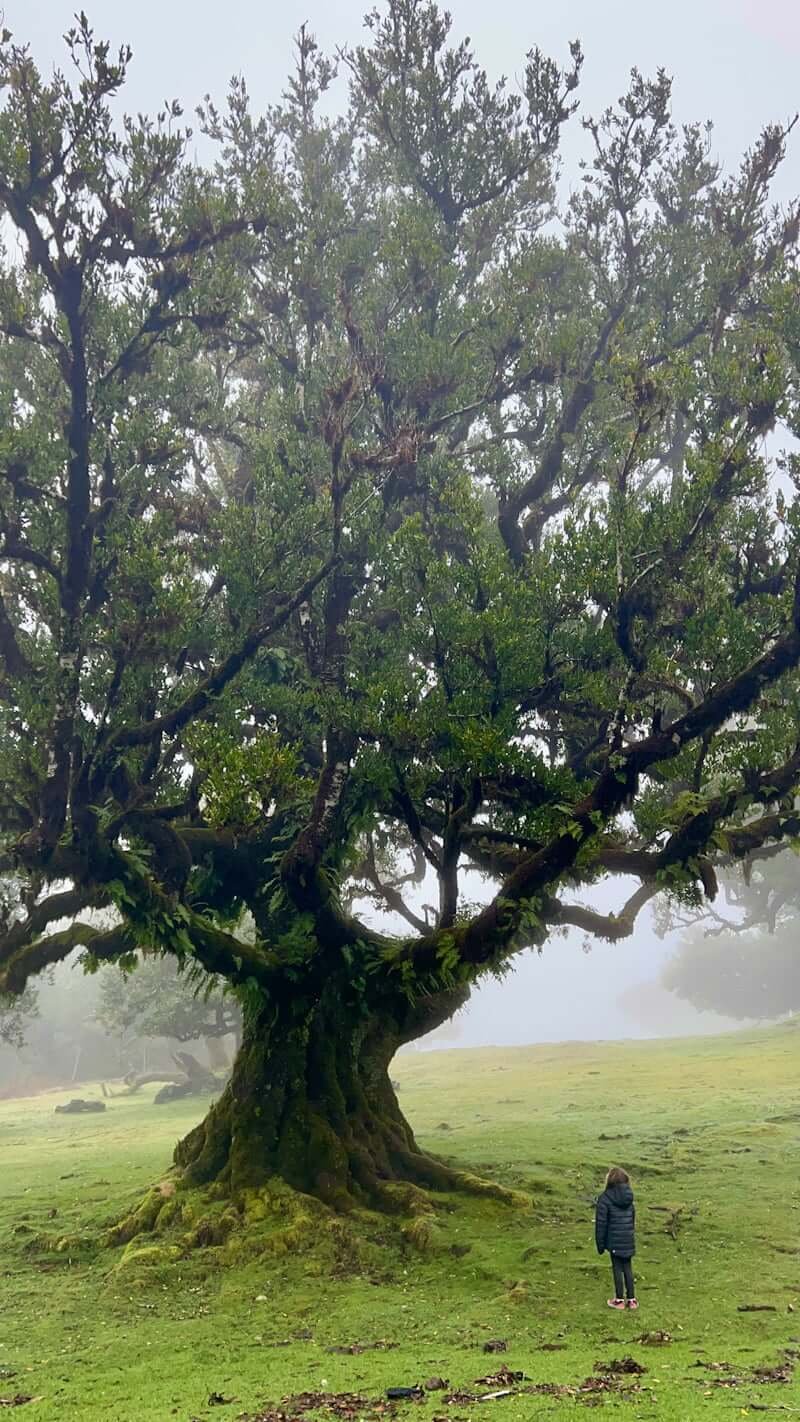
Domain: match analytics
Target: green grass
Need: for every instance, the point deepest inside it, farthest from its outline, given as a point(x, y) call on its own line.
point(710, 1130)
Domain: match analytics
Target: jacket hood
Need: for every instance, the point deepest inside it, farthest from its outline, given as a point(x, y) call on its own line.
point(620, 1195)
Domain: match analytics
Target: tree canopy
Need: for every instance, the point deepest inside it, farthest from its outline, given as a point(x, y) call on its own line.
point(156, 1000)
point(15, 1012)
point(371, 516)
point(753, 975)
point(742, 960)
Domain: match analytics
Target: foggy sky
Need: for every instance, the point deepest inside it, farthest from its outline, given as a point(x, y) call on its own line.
point(733, 61)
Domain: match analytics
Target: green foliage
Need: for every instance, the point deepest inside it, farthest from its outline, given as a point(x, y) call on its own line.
point(243, 781)
point(363, 509)
point(15, 1013)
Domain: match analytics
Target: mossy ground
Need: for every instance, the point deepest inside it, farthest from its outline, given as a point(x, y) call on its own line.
point(709, 1129)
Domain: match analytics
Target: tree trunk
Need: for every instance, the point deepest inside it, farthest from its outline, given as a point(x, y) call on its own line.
point(198, 1076)
point(134, 1081)
point(310, 1101)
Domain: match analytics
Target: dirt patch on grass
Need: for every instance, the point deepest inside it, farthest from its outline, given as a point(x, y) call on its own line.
point(346, 1405)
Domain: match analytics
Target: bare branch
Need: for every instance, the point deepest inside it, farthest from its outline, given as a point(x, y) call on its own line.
point(610, 927)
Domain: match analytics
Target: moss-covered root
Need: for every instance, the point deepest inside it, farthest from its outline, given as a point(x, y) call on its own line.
point(436, 1175)
point(272, 1220)
point(400, 1197)
point(490, 1190)
point(275, 1219)
point(142, 1220)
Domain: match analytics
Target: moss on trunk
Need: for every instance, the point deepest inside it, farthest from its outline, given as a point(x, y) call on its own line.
point(310, 1101)
point(309, 1115)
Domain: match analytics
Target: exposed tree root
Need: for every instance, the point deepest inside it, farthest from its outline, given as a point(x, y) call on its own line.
point(275, 1220)
point(142, 1220)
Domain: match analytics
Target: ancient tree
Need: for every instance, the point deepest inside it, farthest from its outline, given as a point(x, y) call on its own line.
point(380, 532)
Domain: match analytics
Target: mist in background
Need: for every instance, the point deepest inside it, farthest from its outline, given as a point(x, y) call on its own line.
point(577, 990)
point(733, 61)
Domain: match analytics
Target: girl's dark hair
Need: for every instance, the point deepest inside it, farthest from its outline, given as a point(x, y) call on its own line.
point(617, 1176)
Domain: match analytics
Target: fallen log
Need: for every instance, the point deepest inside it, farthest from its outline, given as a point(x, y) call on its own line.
point(134, 1081)
point(79, 1107)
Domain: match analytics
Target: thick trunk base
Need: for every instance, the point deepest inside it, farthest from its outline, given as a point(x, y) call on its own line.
point(308, 1129)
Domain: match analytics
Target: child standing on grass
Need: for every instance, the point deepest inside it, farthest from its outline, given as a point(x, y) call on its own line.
point(615, 1230)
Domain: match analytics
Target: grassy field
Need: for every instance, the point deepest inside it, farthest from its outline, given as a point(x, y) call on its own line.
point(709, 1129)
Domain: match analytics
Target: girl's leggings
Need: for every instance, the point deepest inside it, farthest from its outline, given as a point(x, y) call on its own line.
point(623, 1277)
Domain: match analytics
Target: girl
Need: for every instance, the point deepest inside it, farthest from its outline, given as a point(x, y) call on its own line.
point(614, 1230)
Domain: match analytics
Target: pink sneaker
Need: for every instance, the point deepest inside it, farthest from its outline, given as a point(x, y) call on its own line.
point(616, 1303)
point(633, 1303)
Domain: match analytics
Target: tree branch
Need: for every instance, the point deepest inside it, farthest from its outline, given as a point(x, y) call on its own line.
point(16, 663)
point(43, 952)
point(490, 932)
point(63, 905)
point(610, 927)
point(541, 482)
point(217, 680)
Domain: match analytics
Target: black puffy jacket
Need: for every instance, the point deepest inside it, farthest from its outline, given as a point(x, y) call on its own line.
point(615, 1221)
